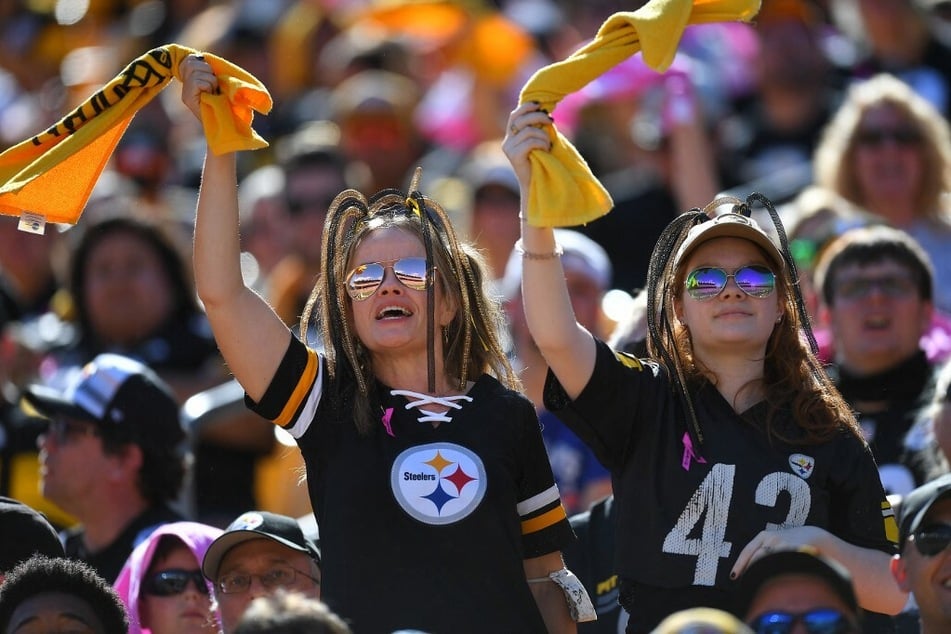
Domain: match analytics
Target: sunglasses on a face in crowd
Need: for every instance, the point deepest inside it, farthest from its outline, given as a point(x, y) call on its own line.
point(821, 621)
point(707, 282)
point(167, 583)
point(297, 206)
point(932, 540)
point(364, 279)
point(876, 137)
point(893, 286)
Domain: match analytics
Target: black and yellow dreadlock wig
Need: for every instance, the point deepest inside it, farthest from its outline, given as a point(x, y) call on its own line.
point(793, 377)
point(472, 341)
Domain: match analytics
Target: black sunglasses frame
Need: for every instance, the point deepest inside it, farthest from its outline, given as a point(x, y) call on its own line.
point(931, 540)
point(174, 581)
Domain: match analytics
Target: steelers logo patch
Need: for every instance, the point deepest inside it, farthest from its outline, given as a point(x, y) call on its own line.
point(439, 483)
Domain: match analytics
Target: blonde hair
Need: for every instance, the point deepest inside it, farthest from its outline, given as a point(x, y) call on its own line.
point(834, 165)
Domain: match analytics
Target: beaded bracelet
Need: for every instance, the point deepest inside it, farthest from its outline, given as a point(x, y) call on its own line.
point(528, 255)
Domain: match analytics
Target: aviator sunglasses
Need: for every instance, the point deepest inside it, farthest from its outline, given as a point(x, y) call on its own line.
point(363, 280)
point(707, 282)
point(931, 540)
point(820, 621)
point(168, 583)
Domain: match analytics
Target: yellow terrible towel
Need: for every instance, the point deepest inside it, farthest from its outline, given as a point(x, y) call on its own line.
point(53, 173)
point(563, 191)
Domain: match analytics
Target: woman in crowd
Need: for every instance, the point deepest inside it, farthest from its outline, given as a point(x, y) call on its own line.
point(426, 469)
point(161, 583)
point(730, 441)
point(888, 150)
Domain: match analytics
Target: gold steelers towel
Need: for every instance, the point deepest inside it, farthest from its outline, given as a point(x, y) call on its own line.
point(52, 174)
point(564, 192)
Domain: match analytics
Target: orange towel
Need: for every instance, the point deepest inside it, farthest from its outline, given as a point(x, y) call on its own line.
point(52, 174)
point(564, 192)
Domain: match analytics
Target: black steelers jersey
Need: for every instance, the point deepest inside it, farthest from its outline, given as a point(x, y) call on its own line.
point(685, 512)
point(420, 527)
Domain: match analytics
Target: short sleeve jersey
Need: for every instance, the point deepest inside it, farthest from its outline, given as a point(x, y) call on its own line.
point(423, 528)
point(685, 512)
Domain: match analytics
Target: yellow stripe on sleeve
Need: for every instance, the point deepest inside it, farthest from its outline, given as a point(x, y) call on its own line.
point(891, 526)
point(300, 391)
point(544, 520)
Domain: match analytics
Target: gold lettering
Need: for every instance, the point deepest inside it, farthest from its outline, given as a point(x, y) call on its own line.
point(138, 74)
point(607, 585)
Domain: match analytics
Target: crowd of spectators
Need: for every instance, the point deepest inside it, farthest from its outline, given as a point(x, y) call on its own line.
point(836, 110)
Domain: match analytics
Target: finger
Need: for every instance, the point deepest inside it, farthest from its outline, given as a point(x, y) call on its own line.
point(536, 119)
point(745, 558)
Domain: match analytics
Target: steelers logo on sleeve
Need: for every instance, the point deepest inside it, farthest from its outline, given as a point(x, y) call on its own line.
point(438, 483)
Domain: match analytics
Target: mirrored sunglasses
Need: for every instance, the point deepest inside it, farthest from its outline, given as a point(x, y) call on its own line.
point(707, 282)
point(821, 621)
point(932, 540)
point(363, 280)
point(167, 583)
point(319, 203)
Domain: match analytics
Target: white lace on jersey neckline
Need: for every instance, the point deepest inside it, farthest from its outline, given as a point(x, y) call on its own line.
point(427, 399)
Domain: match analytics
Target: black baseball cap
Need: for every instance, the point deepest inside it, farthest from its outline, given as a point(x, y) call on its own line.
point(804, 561)
point(282, 529)
point(915, 505)
point(24, 532)
point(125, 398)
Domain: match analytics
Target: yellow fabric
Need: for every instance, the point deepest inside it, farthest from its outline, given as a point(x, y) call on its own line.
point(53, 173)
point(564, 192)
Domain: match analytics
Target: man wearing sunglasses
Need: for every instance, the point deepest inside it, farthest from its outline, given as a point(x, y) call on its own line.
point(798, 592)
point(113, 456)
point(258, 553)
point(876, 288)
point(923, 564)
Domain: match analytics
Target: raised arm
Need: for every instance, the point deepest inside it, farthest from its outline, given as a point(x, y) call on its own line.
point(251, 337)
point(875, 587)
point(567, 347)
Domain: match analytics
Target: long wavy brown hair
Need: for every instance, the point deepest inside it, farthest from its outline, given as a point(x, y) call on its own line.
point(793, 381)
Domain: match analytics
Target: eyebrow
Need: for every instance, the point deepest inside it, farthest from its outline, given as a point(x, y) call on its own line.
point(71, 616)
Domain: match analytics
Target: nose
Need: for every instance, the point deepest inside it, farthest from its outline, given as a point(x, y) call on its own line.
point(731, 287)
point(390, 284)
point(257, 588)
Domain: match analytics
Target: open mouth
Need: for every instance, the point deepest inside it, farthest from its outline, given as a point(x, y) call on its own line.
point(392, 312)
point(877, 323)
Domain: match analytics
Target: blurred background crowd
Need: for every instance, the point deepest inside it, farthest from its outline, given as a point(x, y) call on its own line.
point(837, 110)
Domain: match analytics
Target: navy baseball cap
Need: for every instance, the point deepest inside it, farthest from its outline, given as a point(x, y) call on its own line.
point(804, 561)
point(123, 397)
point(282, 529)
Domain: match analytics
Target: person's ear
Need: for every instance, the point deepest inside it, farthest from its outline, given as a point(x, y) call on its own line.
point(679, 309)
point(448, 309)
point(129, 460)
point(899, 572)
